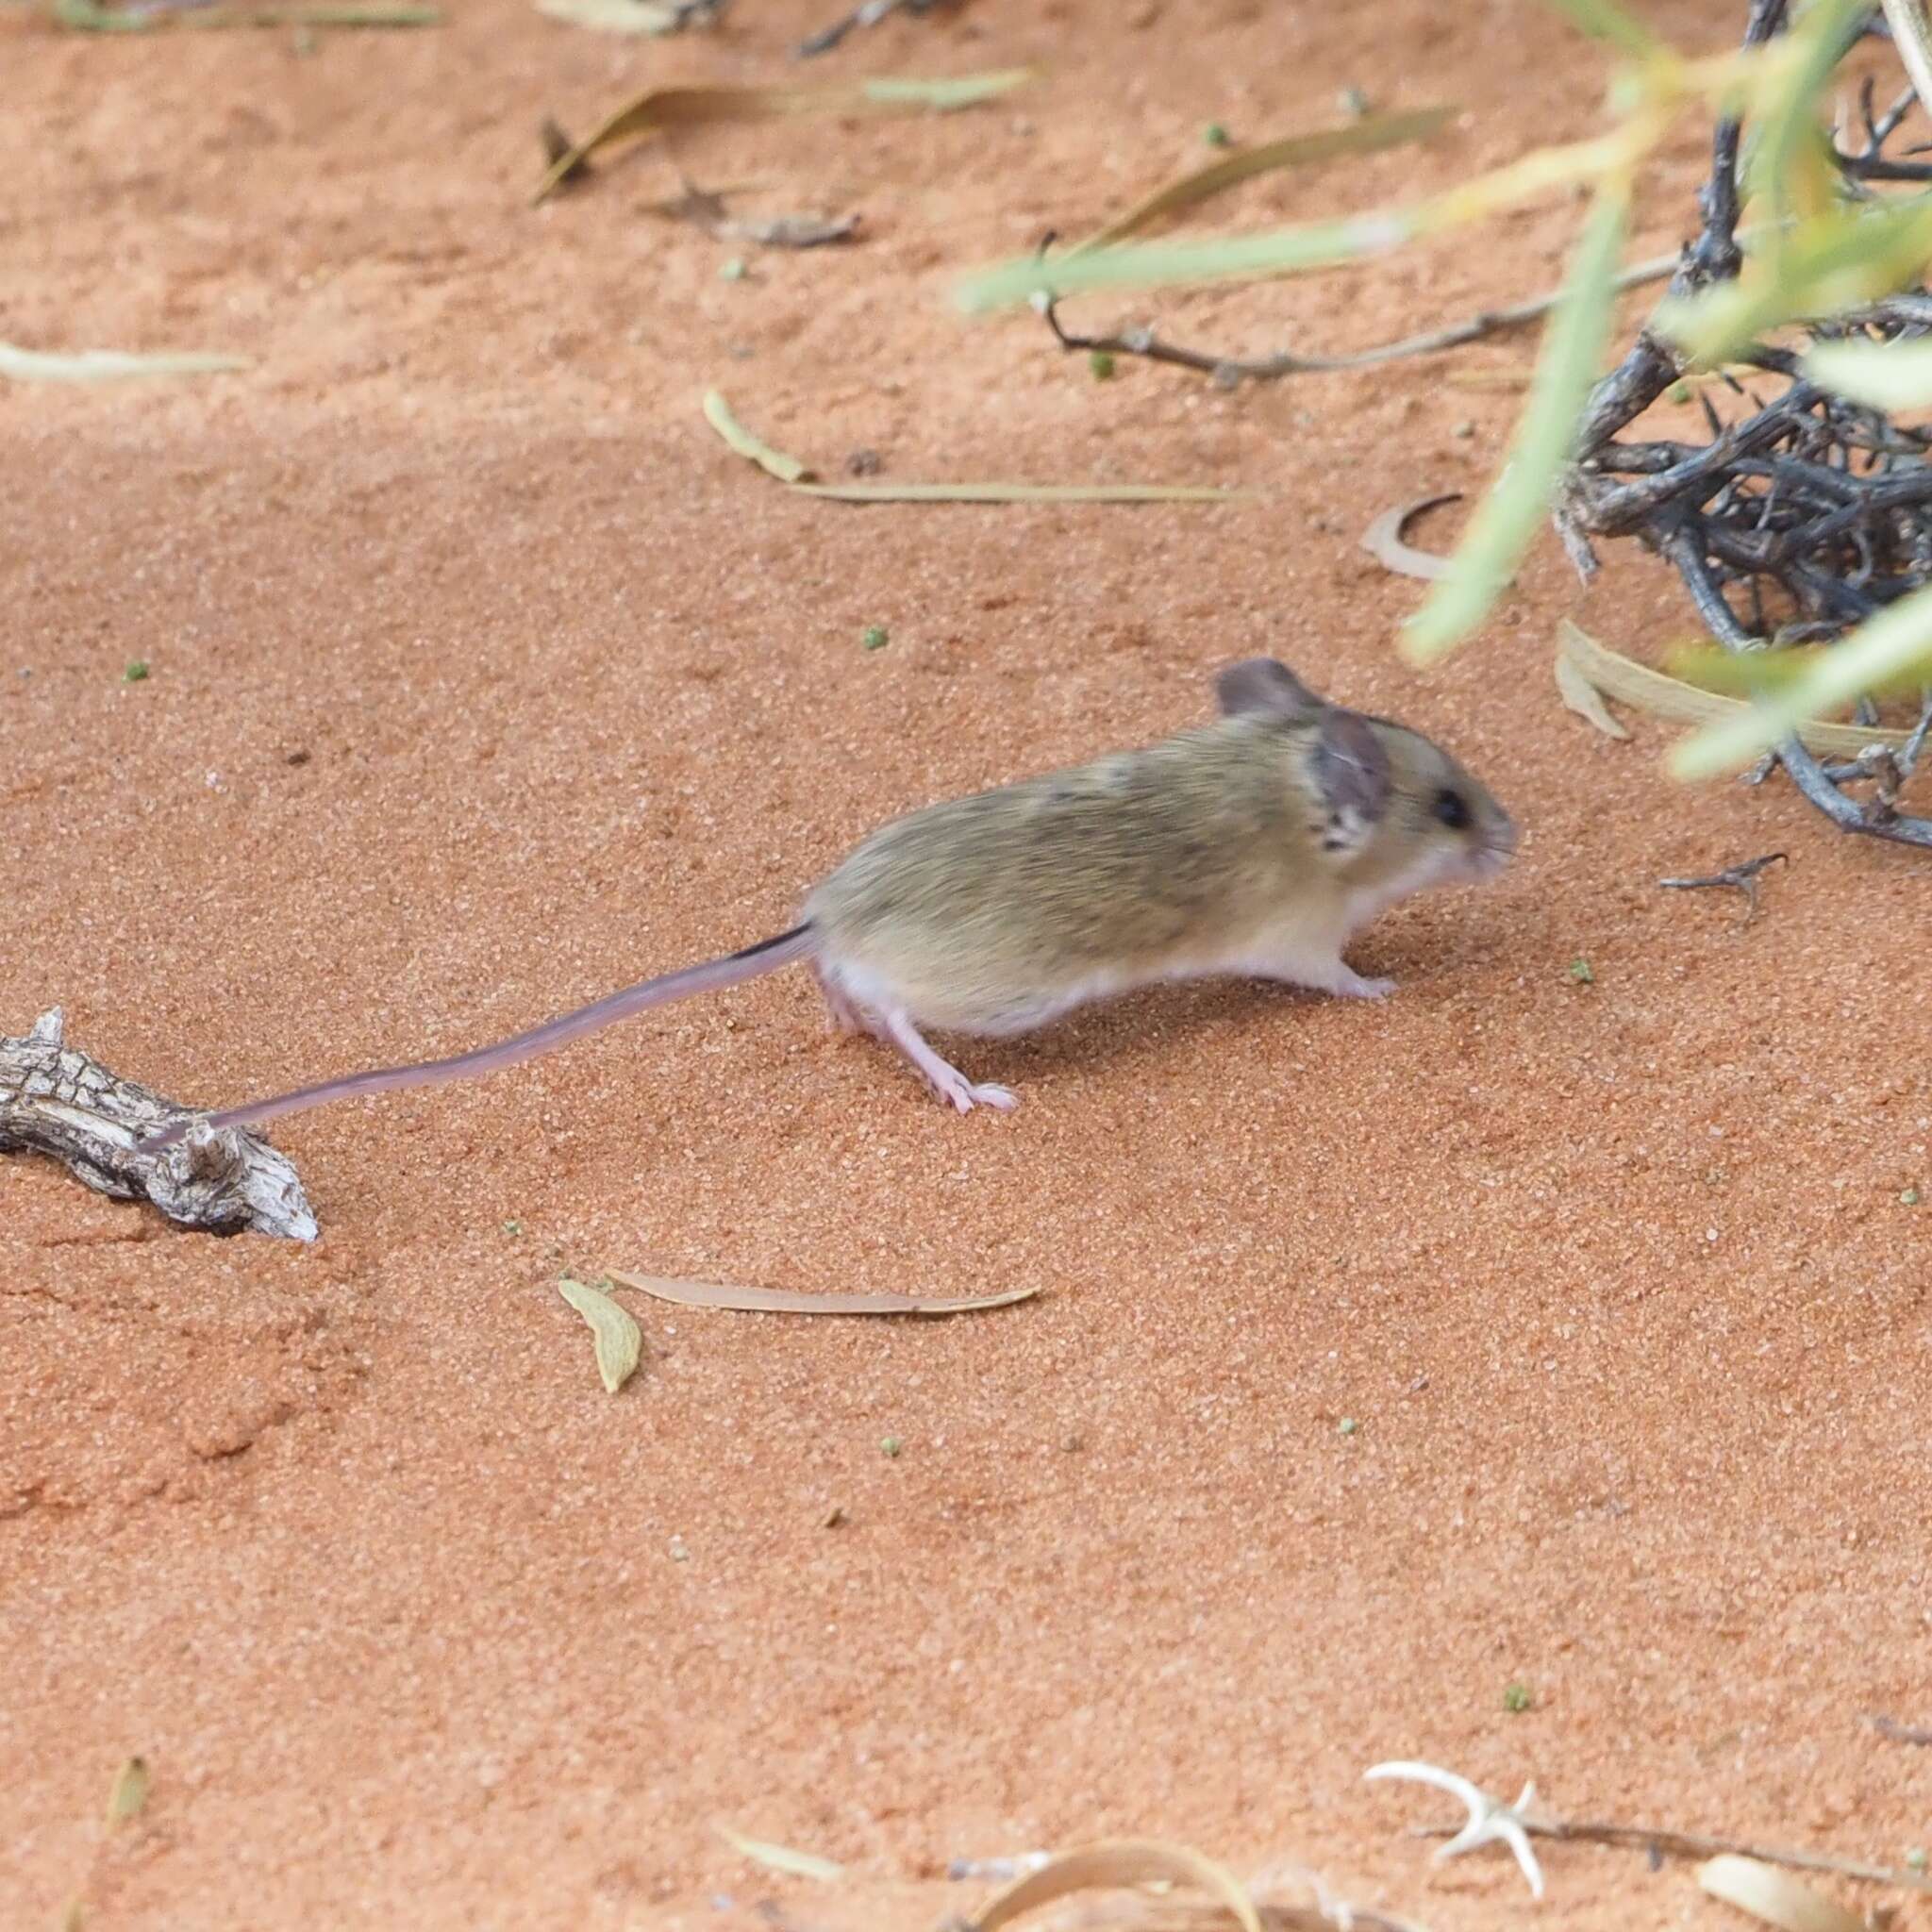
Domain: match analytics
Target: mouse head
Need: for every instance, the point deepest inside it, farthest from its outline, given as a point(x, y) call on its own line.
point(1399, 812)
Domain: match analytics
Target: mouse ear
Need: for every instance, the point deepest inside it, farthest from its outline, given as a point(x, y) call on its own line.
point(1351, 772)
point(1259, 684)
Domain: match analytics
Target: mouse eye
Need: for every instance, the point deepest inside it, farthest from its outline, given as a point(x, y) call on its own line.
point(1452, 809)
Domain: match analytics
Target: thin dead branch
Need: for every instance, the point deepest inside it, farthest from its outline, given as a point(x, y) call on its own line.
point(1230, 372)
point(1661, 1841)
point(55, 1100)
point(1742, 877)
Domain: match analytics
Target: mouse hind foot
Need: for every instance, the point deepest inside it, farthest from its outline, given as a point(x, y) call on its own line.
point(950, 1085)
point(847, 1013)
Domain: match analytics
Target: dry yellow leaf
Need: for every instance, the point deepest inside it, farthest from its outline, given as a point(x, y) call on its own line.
point(1120, 1863)
point(1663, 696)
point(128, 1792)
point(620, 1343)
point(780, 1858)
point(1773, 1896)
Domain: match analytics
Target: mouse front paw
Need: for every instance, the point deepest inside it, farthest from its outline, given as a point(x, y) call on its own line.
point(1353, 986)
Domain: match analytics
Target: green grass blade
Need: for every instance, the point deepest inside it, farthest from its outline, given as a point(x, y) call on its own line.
point(1784, 115)
point(946, 94)
point(1886, 375)
point(775, 462)
point(1896, 642)
point(1508, 516)
point(1823, 267)
point(1165, 264)
point(1367, 136)
point(1603, 20)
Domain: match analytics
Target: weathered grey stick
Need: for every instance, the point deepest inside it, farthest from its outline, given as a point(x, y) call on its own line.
point(55, 1100)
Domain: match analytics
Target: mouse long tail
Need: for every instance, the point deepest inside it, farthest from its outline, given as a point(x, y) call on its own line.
point(766, 957)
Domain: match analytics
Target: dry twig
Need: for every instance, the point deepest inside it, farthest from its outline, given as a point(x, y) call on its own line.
point(1662, 1842)
point(868, 13)
point(55, 1100)
point(1230, 372)
point(1742, 877)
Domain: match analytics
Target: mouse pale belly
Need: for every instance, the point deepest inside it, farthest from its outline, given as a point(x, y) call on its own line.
point(960, 1001)
point(995, 998)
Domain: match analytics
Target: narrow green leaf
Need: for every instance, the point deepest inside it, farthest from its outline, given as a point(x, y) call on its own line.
point(619, 1341)
point(1784, 115)
point(1886, 375)
point(1367, 136)
point(1897, 641)
point(1829, 264)
point(775, 462)
point(1507, 517)
point(945, 95)
point(1603, 20)
point(1161, 264)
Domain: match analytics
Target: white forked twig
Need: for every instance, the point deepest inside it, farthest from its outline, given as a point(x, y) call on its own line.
point(1491, 1821)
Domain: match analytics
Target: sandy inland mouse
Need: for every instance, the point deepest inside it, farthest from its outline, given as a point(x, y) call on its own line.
point(1253, 845)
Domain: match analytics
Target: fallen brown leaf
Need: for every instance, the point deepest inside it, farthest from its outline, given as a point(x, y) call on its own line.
point(1383, 539)
point(779, 1301)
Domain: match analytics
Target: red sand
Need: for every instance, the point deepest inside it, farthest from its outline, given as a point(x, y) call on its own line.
point(485, 679)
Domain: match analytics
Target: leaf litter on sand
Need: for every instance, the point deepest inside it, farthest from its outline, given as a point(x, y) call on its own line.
point(1663, 696)
point(661, 107)
point(780, 1858)
point(620, 1343)
point(127, 1795)
point(779, 1301)
point(628, 16)
point(1296, 151)
point(1112, 1864)
point(1773, 1896)
point(796, 475)
point(1583, 697)
point(1383, 539)
point(110, 365)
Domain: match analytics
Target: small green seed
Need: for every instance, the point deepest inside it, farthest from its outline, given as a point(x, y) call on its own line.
point(1215, 135)
point(1348, 1425)
point(512, 1227)
point(1908, 1197)
point(873, 638)
point(1580, 971)
point(1101, 362)
point(891, 1446)
point(732, 271)
point(1516, 1699)
point(136, 672)
point(1917, 1858)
